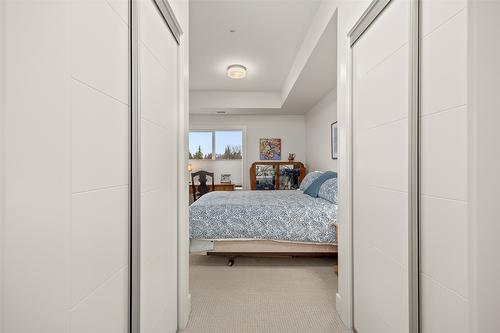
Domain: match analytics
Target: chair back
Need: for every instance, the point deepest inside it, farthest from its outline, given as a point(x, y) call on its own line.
point(203, 188)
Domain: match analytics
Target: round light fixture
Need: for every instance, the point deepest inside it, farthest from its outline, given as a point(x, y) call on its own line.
point(236, 72)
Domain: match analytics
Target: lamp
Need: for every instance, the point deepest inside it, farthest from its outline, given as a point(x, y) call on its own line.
point(236, 71)
point(190, 168)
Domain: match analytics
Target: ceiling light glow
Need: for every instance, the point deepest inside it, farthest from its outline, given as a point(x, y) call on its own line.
point(236, 72)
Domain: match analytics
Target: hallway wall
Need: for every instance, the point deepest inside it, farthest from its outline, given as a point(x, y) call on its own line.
point(318, 122)
point(483, 165)
point(348, 12)
point(2, 150)
point(67, 139)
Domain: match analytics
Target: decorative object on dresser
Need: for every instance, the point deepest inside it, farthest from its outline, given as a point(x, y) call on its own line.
point(270, 149)
point(276, 175)
point(291, 157)
point(201, 188)
point(225, 178)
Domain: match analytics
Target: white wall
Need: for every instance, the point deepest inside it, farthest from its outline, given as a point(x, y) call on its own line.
point(444, 235)
point(484, 163)
point(2, 151)
point(67, 140)
point(181, 10)
point(233, 167)
point(348, 12)
point(318, 122)
point(291, 130)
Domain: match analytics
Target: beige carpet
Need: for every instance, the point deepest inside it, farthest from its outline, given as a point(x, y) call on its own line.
point(263, 295)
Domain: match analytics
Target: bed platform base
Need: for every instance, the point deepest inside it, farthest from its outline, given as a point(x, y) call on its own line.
point(262, 248)
point(269, 248)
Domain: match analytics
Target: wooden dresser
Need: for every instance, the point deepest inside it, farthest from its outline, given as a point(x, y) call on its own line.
point(270, 172)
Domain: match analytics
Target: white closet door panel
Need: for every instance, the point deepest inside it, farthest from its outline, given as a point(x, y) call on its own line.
point(444, 66)
point(382, 156)
point(384, 89)
point(154, 157)
point(121, 7)
point(443, 310)
point(380, 173)
point(391, 290)
point(367, 319)
point(435, 13)
point(155, 233)
point(35, 291)
point(158, 91)
point(388, 208)
point(159, 140)
point(105, 41)
point(378, 300)
point(445, 223)
point(106, 311)
point(444, 151)
point(99, 239)
point(155, 33)
point(99, 157)
point(374, 49)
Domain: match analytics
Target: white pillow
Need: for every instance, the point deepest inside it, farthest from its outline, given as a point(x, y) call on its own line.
point(308, 179)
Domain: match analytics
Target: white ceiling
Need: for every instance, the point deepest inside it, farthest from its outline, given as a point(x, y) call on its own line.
point(266, 38)
point(269, 35)
point(319, 75)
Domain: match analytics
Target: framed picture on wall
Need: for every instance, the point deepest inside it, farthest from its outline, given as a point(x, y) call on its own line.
point(334, 144)
point(225, 178)
point(270, 149)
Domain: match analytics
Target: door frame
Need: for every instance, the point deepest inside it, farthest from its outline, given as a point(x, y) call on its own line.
point(183, 304)
point(373, 11)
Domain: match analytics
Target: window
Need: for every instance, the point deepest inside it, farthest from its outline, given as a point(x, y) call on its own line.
point(228, 145)
point(200, 145)
point(215, 145)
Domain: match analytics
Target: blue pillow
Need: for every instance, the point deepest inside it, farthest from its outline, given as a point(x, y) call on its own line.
point(313, 189)
point(309, 178)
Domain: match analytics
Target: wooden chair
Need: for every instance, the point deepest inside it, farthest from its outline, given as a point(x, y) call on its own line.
point(202, 188)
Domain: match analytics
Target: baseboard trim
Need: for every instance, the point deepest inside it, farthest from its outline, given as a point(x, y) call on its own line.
point(184, 316)
point(341, 309)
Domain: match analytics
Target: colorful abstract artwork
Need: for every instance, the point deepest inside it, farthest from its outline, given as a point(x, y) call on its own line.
point(270, 149)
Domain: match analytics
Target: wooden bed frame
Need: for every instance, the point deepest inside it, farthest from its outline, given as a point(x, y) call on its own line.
point(261, 248)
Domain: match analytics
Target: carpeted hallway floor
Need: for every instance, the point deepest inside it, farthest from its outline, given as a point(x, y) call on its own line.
point(263, 295)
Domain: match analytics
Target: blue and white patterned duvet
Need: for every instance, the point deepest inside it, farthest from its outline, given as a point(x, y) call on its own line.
point(265, 215)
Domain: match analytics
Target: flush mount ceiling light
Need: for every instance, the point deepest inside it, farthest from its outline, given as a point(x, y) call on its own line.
point(236, 72)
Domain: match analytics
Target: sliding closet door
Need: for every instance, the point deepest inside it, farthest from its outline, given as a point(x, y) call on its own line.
point(380, 106)
point(65, 242)
point(158, 107)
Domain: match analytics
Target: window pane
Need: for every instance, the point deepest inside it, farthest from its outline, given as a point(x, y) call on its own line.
point(200, 145)
point(228, 145)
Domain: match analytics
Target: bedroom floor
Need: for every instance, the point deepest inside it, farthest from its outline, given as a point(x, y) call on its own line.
point(263, 295)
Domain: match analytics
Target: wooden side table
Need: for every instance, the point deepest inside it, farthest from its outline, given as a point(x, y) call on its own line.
point(218, 187)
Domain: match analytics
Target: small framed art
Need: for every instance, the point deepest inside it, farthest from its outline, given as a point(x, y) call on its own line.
point(225, 178)
point(334, 143)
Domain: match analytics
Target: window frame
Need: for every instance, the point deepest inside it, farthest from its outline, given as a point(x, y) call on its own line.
point(245, 178)
point(213, 131)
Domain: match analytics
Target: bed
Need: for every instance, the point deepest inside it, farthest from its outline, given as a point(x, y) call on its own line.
point(263, 222)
